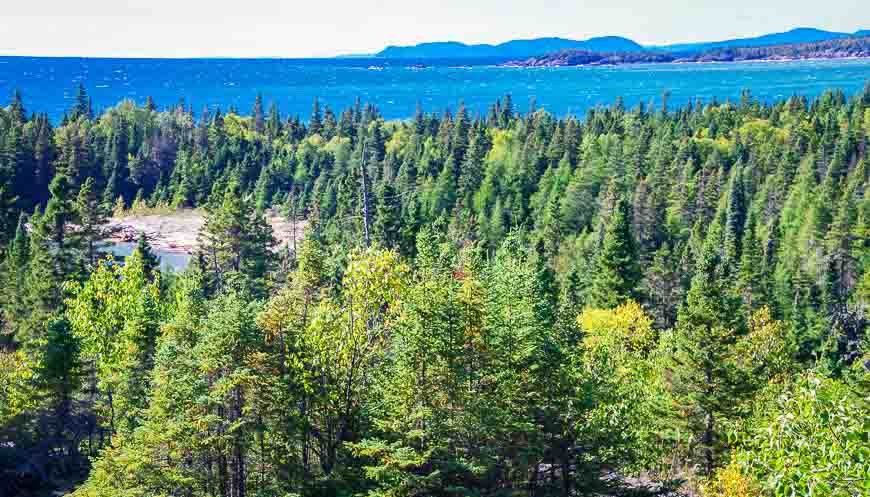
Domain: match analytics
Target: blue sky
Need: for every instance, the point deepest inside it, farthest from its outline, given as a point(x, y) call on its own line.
point(275, 28)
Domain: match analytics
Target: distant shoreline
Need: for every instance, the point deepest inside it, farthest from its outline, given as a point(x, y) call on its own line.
point(526, 65)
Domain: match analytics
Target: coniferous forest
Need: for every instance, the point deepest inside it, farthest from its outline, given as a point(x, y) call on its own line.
point(642, 301)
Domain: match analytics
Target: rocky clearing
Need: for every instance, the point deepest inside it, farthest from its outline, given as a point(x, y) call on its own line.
point(177, 231)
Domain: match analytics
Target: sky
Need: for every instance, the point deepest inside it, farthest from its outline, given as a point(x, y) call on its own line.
point(323, 28)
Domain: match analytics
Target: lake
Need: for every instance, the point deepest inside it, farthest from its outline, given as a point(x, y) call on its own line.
point(176, 261)
point(395, 86)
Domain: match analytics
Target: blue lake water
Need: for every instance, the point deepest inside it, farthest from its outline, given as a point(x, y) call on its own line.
point(395, 86)
point(175, 261)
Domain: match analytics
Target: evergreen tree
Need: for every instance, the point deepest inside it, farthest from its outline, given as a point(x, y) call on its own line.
point(16, 108)
point(617, 272)
point(388, 218)
point(236, 241)
point(752, 277)
point(55, 237)
point(92, 217)
point(273, 123)
point(259, 116)
point(705, 382)
point(734, 221)
point(150, 261)
point(82, 107)
point(13, 278)
point(315, 124)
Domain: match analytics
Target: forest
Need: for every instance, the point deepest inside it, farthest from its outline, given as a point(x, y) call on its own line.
point(839, 48)
point(641, 301)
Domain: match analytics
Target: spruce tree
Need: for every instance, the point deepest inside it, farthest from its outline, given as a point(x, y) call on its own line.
point(273, 123)
point(13, 285)
point(150, 261)
point(54, 229)
point(704, 381)
point(616, 270)
point(734, 222)
point(82, 107)
point(236, 242)
point(752, 276)
point(258, 115)
point(315, 124)
point(388, 217)
point(16, 108)
point(93, 217)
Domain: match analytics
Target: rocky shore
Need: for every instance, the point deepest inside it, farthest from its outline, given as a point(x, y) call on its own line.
point(847, 48)
point(177, 231)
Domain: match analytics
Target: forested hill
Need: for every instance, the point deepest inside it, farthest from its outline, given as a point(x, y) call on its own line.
point(505, 304)
point(829, 49)
point(790, 37)
point(513, 48)
point(605, 44)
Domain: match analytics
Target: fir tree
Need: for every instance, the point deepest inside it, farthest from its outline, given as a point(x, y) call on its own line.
point(735, 220)
point(92, 217)
point(13, 278)
point(236, 241)
point(388, 217)
point(705, 383)
point(315, 125)
point(617, 272)
point(258, 114)
point(150, 261)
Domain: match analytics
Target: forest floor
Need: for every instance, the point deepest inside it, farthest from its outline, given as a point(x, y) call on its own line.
point(177, 231)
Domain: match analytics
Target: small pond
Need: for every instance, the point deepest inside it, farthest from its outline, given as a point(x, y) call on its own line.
point(177, 261)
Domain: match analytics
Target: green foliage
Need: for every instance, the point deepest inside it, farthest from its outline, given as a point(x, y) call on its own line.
point(116, 314)
point(617, 272)
point(714, 253)
point(812, 440)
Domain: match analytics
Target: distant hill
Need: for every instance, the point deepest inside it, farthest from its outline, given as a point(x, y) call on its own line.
point(840, 48)
point(519, 49)
point(797, 35)
point(510, 49)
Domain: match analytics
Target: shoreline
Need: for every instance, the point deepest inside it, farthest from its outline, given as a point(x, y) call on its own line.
point(177, 232)
point(768, 60)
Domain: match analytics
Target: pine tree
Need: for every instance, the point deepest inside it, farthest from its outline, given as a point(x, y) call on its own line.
point(54, 230)
point(83, 105)
point(93, 218)
point(388, 217)
point(258, 115)
point(704, 383)
point(236, 241)
point(13, 285)
point(315, 125)
point(150, 261)
point(617, 272)
point(734, 221)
